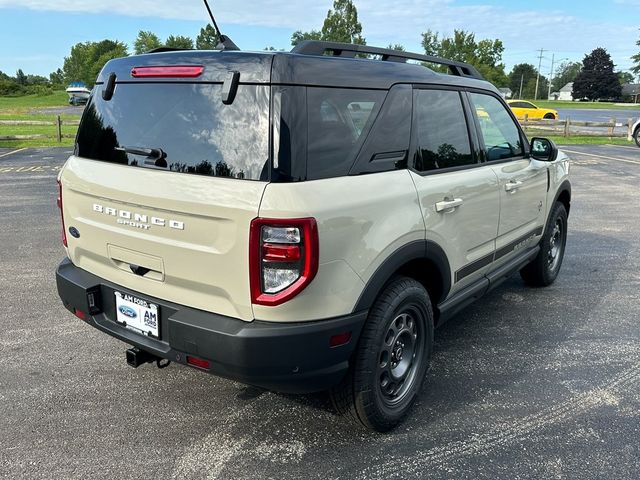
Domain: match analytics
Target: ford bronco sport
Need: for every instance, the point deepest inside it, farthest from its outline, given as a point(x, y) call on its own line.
point(301, 221)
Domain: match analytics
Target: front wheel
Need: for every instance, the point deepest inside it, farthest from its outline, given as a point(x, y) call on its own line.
point(636, 136)
point(544, 269)
point(391, 359)
point(550, 116)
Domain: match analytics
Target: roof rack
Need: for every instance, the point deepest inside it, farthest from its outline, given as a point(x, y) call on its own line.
point(349, 50)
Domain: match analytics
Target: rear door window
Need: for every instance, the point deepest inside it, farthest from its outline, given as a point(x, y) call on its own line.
point(338, 121)
point(186, 124)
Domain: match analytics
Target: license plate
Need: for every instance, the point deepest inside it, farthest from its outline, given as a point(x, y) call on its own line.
point(137, 314)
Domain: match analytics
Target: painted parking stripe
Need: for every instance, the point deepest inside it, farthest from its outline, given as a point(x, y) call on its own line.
point(11, 153)
point(602, 156)
point(625, 146)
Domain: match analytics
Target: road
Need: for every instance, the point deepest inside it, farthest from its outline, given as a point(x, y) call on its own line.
point(526, 383)
point(595, 115)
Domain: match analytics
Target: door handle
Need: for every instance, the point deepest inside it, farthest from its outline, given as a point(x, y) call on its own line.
point(512, 186)
point(448, 205)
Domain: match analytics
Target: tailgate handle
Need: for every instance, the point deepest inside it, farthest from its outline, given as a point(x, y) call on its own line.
point(138, 270)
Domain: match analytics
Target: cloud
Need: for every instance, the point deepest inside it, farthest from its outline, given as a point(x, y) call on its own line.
point(522, 30)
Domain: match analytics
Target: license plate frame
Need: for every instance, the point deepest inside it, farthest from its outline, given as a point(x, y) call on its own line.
point(137, 314)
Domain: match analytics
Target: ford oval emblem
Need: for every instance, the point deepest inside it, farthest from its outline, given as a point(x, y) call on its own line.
point(127, 311)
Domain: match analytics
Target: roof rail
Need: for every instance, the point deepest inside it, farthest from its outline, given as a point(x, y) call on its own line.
point(349, 50)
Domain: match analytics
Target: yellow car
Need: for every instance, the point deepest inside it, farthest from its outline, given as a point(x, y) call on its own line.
point(521, 108)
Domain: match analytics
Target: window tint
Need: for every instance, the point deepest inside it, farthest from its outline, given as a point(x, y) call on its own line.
point(195, 132)
point(441, 131)
point(338, 121)
point(500, 133)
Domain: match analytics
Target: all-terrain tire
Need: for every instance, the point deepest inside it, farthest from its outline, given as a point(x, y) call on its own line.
point(391, 359)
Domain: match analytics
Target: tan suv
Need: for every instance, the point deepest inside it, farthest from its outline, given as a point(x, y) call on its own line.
point(301, 221)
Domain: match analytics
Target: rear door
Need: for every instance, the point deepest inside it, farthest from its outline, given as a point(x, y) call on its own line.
point(458, 195)
point(522, 180)
point(163, 186)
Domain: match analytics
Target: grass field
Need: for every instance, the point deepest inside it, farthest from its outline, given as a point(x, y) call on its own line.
point(555, 104)
point(19, 108)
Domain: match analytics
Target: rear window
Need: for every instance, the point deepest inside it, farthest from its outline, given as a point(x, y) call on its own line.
point(186, 124)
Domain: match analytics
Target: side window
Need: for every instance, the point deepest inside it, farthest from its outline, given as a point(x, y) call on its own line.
point(499, 131)
point(338, 122)
point(440, 129)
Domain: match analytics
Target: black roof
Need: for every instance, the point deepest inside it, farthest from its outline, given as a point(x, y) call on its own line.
point(293, 68)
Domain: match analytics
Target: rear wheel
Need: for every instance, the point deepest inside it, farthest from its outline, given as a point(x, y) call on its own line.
point(544, 269)
point(391, 360)
point(636, 136)
point(549, 116)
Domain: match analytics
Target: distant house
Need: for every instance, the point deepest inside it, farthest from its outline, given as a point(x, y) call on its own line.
point(505, 92)
point(631, 90)
point(566, 92)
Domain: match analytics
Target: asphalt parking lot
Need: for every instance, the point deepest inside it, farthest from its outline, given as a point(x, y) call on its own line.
point(526, 383)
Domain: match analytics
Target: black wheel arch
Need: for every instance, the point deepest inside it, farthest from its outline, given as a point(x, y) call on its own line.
point(563, 195)
point(423, 260)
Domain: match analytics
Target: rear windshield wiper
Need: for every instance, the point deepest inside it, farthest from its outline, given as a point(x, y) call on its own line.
point(155, 156)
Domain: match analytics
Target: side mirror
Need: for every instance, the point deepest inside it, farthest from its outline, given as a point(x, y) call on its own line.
point(543, 149)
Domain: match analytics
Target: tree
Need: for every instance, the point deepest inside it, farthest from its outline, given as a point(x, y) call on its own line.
point(566, 73)
point(21, 78)
point(625, 77)
point(208, 38)
point(57, 77)
point(396, 46)
point(341, 25)
point(526, 74)
point(636, 59)
point(179, 41)
point(145, 42)
point(485, 55)
point(87, 59)
point(597, 80)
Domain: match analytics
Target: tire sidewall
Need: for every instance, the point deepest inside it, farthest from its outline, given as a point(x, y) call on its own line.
point(558, 212)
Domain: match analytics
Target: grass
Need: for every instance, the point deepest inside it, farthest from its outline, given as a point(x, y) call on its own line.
point(18, 108)
point(584, 140)
point(555, 104)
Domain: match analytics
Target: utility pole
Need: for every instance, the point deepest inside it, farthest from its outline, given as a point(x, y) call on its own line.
point(521, 82)
point(542, 50)
point(553, 58)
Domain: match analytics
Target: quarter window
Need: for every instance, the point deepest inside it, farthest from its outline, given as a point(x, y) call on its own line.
point(499, 131)
point(441, 131)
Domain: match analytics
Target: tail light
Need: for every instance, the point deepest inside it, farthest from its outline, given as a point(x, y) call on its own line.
point(283, 258)
point(59, 201)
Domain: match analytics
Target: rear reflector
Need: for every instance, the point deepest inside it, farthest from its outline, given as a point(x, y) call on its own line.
point(198, 362)
point(340, 339)
point(80, 314)
point(173, 71)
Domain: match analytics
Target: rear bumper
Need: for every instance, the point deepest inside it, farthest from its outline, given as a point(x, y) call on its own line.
point(287, 357)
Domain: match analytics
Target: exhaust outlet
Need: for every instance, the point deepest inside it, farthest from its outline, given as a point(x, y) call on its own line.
point(137, 357)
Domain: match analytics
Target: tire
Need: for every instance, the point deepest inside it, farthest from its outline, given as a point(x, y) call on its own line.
point(636, 136)
point(391, 360)
point(549, 116)
point(543, 270)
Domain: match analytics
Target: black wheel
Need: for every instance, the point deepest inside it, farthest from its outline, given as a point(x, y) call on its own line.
point(391, 359)
point(549, 116)
point(543, 270)
point(636, 136)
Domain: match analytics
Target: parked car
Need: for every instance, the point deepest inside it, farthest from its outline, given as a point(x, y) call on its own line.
point(301, 221)
point(636, 132)
point(521, 108)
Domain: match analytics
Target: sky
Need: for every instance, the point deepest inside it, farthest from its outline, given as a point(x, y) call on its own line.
point(36, 35)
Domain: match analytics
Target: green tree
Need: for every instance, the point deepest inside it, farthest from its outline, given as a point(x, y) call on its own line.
point(625, 77)
point(145, 42)
point(636, 60)
point(340, 25)
point(87, 59)
point(566, 73)
point(396, 46)
point(485, 55)
point(526, 74)
point(21, 78)
point(597, 80)
point(208, 38)
point(56, 78)
point(179, 41)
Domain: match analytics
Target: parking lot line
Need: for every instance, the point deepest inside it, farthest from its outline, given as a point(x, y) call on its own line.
point(602, 156)
point(625, 146)
point(10, 153)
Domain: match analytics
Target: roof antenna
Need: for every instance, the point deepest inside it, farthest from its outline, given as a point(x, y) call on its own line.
point(225, 42)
